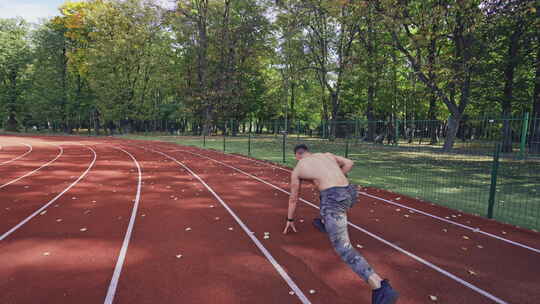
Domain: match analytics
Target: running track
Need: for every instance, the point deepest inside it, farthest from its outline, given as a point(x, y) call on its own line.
point(85, 220)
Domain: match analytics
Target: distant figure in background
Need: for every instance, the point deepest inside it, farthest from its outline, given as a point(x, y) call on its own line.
point(328, 173)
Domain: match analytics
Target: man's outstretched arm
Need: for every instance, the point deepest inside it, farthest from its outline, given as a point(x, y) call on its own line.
point(293, 200)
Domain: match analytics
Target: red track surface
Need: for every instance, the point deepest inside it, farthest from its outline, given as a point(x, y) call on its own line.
point(49, 259)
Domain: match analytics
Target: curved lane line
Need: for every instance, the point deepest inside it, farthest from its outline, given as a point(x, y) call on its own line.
point(125, 244)
point(473, 229)
point(408, 253)
point(20, 156)
point(298, 292)
point(36, 170)
point(10, 231)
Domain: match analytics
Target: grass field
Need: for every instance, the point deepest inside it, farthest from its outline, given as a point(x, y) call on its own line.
point(458, 181)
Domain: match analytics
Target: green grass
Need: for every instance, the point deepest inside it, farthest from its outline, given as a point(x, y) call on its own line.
point(458, 181)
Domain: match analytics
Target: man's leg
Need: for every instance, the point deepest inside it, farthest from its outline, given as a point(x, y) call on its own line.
point(335, 223)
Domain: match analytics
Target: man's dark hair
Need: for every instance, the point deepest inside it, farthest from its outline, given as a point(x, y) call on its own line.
point(300, 147)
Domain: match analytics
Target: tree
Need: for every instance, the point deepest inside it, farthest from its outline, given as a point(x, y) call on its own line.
point(456, 22)
point(508, 22)
point(15, 55)
point(535, 140)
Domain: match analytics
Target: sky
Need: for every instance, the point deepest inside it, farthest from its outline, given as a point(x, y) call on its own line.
point(31, 10)
point(34, 10)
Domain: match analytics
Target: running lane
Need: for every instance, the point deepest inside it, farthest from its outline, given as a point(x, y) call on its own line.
point(13, 151)
point(308, 256)
point(190, 255)
point(67, 254)
point(20, 199)
point(43, 155)
point(473, 257)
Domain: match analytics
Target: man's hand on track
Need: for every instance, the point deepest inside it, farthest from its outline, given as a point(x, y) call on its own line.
point(289, 225)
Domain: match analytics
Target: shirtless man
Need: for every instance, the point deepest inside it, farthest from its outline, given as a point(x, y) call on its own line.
point(329, 174)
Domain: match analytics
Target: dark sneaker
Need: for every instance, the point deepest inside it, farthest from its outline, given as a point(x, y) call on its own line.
point(385, 294)
point(317, 223)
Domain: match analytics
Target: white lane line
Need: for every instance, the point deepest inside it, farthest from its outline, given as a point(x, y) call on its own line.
point(408, 253)
point(474, 229)
point(10, 231)
point(36, 170)
point(113, 285)
point(253, 238)
point(20, 156)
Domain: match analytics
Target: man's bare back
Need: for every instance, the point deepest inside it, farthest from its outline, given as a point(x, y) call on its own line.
point(325, 170)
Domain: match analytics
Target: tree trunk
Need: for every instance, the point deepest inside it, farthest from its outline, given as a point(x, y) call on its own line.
point(293, 101)
point(511, 63)
point(535, 127)
point(432, 116)
point(11, 123)
point(453, 126)
point(369, 113)
point(432, 112)
point(97, 125)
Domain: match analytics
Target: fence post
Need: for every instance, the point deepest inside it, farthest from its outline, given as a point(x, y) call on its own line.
point(524, 130)
point(249, 143)
point(493, 186)
point(224, 135)
point(347, 146)
point(204, 139)
point(298, 131)
point(356, 130)
point(397, 133)
point(283, 145)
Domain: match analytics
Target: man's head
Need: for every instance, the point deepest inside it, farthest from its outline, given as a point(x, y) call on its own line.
point(300, 151)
